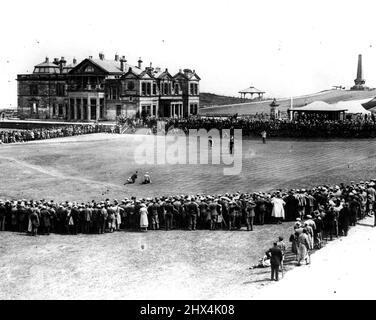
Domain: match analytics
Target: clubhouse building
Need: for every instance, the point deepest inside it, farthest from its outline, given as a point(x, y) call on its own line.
point(103, 89)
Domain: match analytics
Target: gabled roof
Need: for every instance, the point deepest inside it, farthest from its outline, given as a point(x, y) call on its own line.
point(180, 74)
point(251, 90)
point(164, 74)
point(146, 73)
point(131, 70)
point(193, 74)
point(188, 76)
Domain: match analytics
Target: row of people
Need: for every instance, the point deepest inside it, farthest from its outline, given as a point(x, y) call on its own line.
point(212, 212)
point(302, 127)
point(13, 136)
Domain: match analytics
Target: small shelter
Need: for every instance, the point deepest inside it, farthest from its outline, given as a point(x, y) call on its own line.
point(319, 109)
point(251, 90)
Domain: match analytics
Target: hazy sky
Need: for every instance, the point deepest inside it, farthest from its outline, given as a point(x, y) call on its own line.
point(283, 47)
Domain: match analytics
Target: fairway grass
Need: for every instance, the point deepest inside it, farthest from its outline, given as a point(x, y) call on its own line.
point(96, 166)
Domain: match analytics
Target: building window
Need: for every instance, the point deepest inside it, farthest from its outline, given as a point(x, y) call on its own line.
point(60, 89)
point(118, 110)
point(176, 88)
point(193, 108)
point(60, 109)
point(145, 111)
point(165, 88)
point(84, 103)
point(89, 69)
point(33, 89)
point(130, 85)
point(143, 89)
point(148, 89)
point(78, 104)
point(154, 88)
point(154, 110)
point(114, 93)
point(101, 109)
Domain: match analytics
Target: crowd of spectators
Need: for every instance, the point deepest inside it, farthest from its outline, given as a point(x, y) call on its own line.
point(303, 127)
point(332, 208)
point(21, 135)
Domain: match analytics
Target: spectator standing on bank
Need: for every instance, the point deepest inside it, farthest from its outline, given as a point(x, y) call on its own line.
point(275, 255)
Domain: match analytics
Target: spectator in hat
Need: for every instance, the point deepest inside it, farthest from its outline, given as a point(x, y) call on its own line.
point(275, 255)
point(250, 214)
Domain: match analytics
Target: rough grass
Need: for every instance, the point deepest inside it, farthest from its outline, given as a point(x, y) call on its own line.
point(171, 265)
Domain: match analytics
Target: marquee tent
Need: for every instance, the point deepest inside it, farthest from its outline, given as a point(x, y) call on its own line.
point(354, 106)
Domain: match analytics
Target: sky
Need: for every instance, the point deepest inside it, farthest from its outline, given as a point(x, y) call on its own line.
point(286, 48)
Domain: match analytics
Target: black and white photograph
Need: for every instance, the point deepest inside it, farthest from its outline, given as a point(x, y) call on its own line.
point(187, 150)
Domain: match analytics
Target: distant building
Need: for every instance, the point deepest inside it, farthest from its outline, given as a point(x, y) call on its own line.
point(102, 89)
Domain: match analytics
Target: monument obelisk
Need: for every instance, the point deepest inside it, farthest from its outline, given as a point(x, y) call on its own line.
point(359, 81)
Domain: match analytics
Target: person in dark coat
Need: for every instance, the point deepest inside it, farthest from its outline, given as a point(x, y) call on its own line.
point(276, 256)
point(2, 215)
point(250, 214)
point(45, 215)
point(193, 212)
point(344, 219)
point(261, 209)
point(22, 217)
point(34, 220)
point(291, 207)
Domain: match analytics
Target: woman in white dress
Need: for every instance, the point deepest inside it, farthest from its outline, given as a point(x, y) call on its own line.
point(278, 211)
point(144, 222)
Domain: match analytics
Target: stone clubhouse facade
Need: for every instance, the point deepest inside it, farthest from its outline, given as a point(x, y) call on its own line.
point(102, 89)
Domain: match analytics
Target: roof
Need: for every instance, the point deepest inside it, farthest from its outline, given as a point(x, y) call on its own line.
point(111, 66)
point(370, 104)
point(46, 67)
point(321, 106)
point(354, 106)
point(251, 90)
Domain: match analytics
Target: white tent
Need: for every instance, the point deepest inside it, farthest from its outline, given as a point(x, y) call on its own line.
point(320, 106)
point(354, 106)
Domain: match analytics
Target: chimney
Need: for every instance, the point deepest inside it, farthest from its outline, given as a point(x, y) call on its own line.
point(74, 61)
point(47, 60)
point(56, 61)
point(116, 57)
point(101, 55)
point(122, 63)
point(139, 63)
point(90, 57)
point(62, 63)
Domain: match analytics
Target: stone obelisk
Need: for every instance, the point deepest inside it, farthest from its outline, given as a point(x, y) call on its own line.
point(359, 81)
